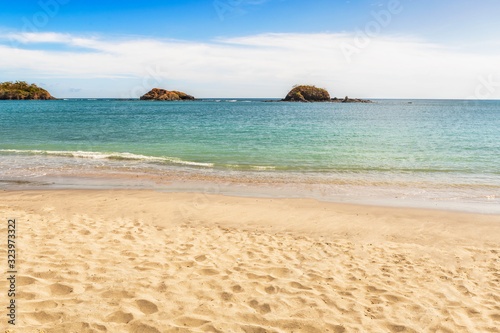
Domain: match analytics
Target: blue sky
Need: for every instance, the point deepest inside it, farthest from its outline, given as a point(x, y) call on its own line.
point(254, 48)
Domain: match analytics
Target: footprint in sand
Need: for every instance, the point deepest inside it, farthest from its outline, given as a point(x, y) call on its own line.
point(80, 327)
point(58, 289)
point(315, 277)
point(146, 306)
point(200, 258)
point(261, 308)
point(280, 272)
point(25, 280)
point(84, 232)
point(373, 289)
point(253, 276)
point(226, 297)
point(190, 322)
point(45, 275)
point(337, 328)
point(237, 288)
point(299, 286)
point(42, 305)
point(139, 327)
point(119, 317)
point(129, 236)
point(26, 296)
point(44, 317)
point(101, 328)
point(495, 317)
point(399, 328)
point(118, 294)
point(208, 271)
point(271, 290)
point(392, 298)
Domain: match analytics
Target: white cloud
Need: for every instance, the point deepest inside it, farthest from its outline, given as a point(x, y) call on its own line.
point(264, 65)
point(40, 37)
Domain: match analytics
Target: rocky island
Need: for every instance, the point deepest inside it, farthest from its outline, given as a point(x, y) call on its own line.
point(307, 94)
point(21, 90)
point(165, 95)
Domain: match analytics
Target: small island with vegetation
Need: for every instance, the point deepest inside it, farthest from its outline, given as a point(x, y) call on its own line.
point(308, 94)
point(165, 95)
point(21, 90)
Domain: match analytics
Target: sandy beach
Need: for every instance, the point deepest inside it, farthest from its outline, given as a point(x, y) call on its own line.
point(146, 261)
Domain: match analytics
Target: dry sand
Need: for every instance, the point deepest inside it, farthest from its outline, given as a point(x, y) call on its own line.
point(142, 261)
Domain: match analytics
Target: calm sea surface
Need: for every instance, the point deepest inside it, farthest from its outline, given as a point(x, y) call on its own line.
point(445, 151)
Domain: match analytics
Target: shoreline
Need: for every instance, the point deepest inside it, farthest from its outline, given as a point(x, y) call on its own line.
point(175, 181)
point(198, 262)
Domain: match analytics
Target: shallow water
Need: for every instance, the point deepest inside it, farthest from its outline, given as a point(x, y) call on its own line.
point(440, 150)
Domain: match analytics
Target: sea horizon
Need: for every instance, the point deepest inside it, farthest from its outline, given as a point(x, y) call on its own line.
point(262, 99)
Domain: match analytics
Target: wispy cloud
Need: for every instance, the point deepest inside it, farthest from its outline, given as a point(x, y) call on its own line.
point(260, 65)
point(39, 37)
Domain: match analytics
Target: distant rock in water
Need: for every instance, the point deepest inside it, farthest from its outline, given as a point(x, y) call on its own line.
point(21, 90)
point(350, 100)
point(307, 94)
point(165, 95)
point(313, 94)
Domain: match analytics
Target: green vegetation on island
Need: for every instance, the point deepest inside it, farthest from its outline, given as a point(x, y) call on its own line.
point(307, 94)
point(165, 95)
point(21, 90)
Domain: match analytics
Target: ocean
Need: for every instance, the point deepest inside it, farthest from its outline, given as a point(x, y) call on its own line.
point(427, 153)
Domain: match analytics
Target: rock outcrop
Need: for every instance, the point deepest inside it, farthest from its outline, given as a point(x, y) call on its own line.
point(165, 95)
point(312, 94)
point(307, 94)
point(21, 90)
point(350, 100)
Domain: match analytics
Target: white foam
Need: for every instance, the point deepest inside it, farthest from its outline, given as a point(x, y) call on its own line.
point(101, 156)
point(261, 167)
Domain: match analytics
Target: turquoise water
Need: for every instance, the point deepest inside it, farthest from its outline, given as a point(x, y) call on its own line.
point(428, 143)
